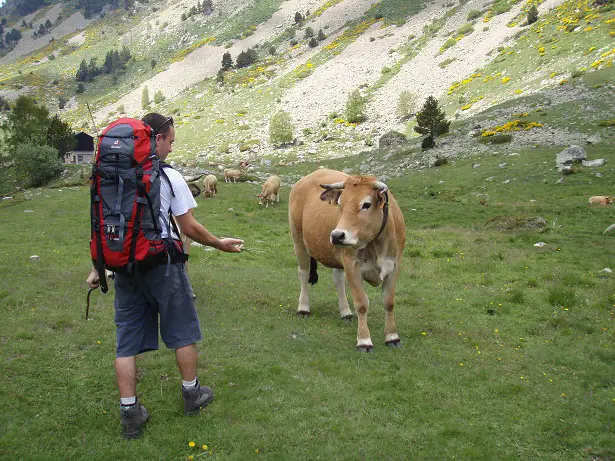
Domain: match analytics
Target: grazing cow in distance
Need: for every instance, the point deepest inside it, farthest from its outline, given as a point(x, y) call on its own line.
point(231, 175)
point(353, 225)
point(601, 200)
point(210, 186)
point(270, 192)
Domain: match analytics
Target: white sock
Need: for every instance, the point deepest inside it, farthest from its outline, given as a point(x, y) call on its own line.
point(189, 384)
point(128, 401)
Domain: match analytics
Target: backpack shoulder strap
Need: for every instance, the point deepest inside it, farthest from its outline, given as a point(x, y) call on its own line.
point(164, 165)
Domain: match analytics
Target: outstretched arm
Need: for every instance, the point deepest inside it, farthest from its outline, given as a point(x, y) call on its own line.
point(197, 232)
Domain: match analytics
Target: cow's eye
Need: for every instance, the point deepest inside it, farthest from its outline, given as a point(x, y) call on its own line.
point(366, 206)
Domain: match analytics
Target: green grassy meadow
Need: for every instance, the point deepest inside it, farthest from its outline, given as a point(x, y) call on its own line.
point(507, 348)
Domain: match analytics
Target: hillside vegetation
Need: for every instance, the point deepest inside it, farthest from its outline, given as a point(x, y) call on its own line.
point(471, 55)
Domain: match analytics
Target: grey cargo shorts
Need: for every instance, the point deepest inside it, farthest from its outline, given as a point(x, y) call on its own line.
point(139, 301)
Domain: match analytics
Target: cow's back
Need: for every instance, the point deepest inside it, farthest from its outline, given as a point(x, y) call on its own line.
point(311, 220)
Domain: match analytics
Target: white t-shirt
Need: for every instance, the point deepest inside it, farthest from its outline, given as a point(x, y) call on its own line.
point(180, 204)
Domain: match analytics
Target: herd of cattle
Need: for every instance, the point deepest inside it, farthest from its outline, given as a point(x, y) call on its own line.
point(351, 224)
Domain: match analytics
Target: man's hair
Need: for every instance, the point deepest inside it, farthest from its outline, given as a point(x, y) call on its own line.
point(158, 122)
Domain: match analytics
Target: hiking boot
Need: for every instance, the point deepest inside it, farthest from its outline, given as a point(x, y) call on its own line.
point(132, 419)
point(197, 398)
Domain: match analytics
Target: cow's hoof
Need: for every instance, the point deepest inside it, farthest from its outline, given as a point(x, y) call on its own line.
point(365, 348)
point(347, 318)
point(393, 343)
point(302, 314)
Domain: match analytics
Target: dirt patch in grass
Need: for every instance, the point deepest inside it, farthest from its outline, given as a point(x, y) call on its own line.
point(516, 223)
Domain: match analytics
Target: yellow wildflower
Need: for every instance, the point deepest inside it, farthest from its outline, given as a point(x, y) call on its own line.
point(506, 80)
point(191, 444)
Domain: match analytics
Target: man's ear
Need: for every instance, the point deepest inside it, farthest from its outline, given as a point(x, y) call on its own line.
point(331, 196)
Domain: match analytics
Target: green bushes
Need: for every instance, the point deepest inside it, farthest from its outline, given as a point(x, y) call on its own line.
point(355, 107)
point(474, 14)
point(280, 129)
point(36, 165)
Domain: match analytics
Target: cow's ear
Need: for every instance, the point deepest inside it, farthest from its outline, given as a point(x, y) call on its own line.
point(381, 193)
point(331, 196)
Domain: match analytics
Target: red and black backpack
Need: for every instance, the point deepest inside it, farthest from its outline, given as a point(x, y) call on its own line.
point(125, 202)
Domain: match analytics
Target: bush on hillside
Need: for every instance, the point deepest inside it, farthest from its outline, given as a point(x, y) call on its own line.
point(313, 43)
point(280, 129)
point(532, 15)
point(309, 32)
point(355, 107)
point(406, 105)
point(474, 14)
point(497, 139)
point(145, 102)
point(36, 165)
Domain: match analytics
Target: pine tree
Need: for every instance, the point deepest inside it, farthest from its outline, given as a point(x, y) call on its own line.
point(145, 102)
point(227, 61)
point(431, 120)
point(532, 15)
point(82, 72)
point(298, 18)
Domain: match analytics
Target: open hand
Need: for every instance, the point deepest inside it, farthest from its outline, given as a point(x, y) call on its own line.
point(231, 245)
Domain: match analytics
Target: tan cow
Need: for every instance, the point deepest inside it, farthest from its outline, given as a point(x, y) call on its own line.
point(353, 225)
point(270, 192)
point(231, 175)
point(210, 186)
point(601, 200)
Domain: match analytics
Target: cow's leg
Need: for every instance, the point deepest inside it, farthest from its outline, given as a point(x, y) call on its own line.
point(303, 259)
point(361, 304)
point(391, 337)
point(339, 280)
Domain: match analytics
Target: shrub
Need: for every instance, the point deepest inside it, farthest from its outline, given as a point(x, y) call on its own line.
point(309, 32)
point(474, 14)
point(313, 43)
point(153, 63)
point(272, 50)
point(158, 97)
point(355, 107)
point(280, 129)
point(607, 122)
point(61, 102)
point(532, 15)
point(293, 42)
point(466, 29)
point(448, 44)
point(36, 164)
point(321, 35)
point(145, 102)
point(406, 104)
point(498, 138)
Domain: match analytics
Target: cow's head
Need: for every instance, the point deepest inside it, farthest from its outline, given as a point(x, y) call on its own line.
point(261, 198)
point(362, 201)
point(610, 199)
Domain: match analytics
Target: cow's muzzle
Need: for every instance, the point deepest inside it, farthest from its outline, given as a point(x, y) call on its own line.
point(342, 238)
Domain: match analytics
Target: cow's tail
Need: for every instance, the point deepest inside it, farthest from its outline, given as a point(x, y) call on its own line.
point(313, 274)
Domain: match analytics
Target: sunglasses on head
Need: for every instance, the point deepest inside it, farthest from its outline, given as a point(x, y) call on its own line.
point(170, 119)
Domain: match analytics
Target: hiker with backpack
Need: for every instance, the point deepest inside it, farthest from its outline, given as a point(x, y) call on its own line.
point(131, 187)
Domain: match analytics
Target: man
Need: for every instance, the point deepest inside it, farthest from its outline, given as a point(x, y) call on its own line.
point(162, 291)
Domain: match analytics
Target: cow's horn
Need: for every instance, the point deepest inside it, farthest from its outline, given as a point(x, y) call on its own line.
point(380, 187)
point(335, 185)
point(192, 178)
